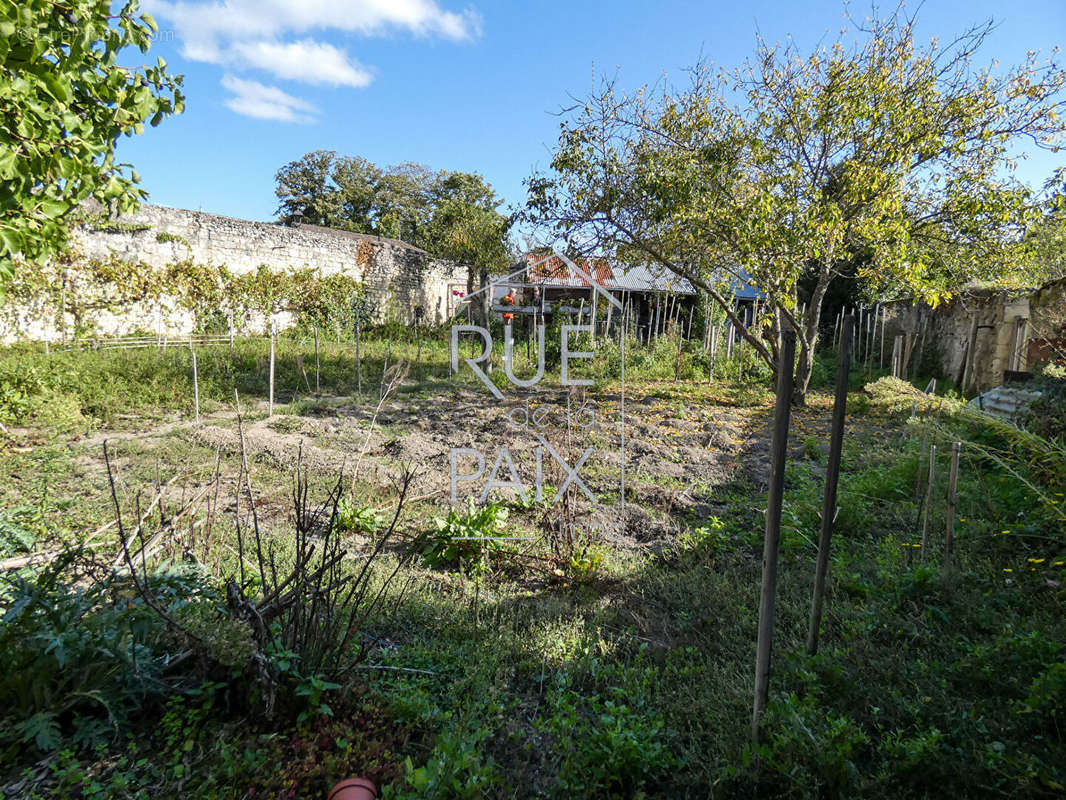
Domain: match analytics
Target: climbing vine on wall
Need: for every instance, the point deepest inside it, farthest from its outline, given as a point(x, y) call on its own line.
point(84, 287)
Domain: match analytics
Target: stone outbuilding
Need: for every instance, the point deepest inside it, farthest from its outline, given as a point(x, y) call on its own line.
point(982, 336)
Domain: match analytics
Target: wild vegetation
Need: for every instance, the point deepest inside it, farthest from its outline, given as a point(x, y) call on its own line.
point(515, 666)
point(243, 569)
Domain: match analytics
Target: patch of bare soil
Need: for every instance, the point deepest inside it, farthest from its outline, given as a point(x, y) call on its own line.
point(675, 456)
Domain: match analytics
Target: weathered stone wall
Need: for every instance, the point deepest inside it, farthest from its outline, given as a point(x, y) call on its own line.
point(1047, 323)
point(1010, 331)
point(402, 278)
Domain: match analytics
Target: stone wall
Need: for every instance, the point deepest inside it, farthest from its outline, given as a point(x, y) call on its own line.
point(403, 279)
point(1010, 331)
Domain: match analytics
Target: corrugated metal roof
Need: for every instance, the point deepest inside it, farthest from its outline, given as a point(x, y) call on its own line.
point(643, 278)
point(552, 271)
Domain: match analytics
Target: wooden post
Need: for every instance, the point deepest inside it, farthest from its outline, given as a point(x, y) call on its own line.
point(691, 311)
point(928, 500)
point(832, 475)
point(730, 338)
point(195, 382)
point(871, 335)
point(318, 389)
point(884, 320)
point(418, 354)
point(270, 403)
point(858, 338)
point(63, 309)
point(231, 331)
point(772, 537)
point(712, 353)
point(953, 485)
point(358, 356)
point(677, 364)
point(970, 362)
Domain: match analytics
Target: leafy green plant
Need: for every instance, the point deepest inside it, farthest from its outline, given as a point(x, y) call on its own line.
point(82, 660)
point(466, 539)
point(456, 770)
point(614, 750)
point(359, 518)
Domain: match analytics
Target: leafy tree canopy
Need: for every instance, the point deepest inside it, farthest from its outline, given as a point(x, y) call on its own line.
point(64, 101)
point(788, 166)
point(454, 215)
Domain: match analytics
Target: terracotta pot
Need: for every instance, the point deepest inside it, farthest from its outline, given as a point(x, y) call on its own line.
point(354, 789)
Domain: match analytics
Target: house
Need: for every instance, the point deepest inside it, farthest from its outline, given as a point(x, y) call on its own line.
point(653, 300)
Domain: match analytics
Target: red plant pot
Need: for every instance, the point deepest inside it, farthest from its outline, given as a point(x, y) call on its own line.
point(354, 789)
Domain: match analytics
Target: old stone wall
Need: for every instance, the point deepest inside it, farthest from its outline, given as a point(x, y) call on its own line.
point(404, 280)
point(1009, 331)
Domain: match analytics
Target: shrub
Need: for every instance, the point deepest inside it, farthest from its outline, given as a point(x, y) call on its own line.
point(82, 660)
point(358, 518)
point(466, 539)
point(610, 749)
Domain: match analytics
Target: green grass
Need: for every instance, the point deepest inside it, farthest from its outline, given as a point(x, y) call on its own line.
point(631, 679)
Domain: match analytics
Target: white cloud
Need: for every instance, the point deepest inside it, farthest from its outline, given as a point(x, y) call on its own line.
point(225, 32)
point(305, 60)
point(253, 99)
point(258, 35)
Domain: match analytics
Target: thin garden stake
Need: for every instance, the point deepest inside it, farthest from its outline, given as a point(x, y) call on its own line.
point(358, 357)
point(677, 365)
point(832, 474)
point(953, 485)
point(195, 382)
point(772, 538)
point(928, 499)
point(318, 389)
point(270, 403)
point(881, 355)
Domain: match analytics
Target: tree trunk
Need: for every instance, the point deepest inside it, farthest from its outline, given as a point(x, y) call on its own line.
point(807, 336)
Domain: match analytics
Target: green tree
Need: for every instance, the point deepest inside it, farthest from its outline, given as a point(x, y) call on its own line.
point(403, 203)
point(467, 226)
point(64, 101)
point(1045, 241)
point(357, 181)
point(307, 190)
point(452, 215)
point(876, 144)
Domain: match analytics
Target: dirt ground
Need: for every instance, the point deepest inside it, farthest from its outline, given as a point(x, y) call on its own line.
point(680, 450)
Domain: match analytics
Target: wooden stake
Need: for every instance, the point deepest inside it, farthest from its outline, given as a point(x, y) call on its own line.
point(358, 356)
point(270, 403)
point(928, 499)
point(970, 363)
point(677, 365)
point(195, 382)
point(953, 485)
point(832, 475)
point(712, 353)
point(772, 537)
point(318, 389)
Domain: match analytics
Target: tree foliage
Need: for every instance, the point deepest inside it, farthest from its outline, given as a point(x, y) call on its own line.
point(1045, 240)
point(64, 101)
point(788, 166)
point(453, 215)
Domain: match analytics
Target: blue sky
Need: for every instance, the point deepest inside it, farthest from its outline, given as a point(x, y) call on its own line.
point(455, 86)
